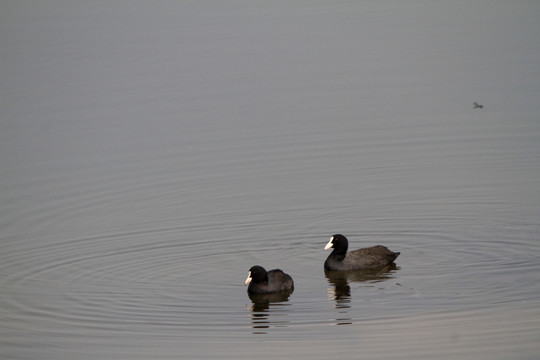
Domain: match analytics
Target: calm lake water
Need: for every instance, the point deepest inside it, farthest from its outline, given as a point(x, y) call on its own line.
point(152, 152)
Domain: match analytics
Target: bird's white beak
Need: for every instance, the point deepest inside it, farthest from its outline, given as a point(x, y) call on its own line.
point(248, 280)
point(329, 245)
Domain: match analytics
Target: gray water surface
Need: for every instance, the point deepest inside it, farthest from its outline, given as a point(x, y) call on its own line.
point(152, 152)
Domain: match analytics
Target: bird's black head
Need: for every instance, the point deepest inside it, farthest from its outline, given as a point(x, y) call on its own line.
point(257, 274)
point(339, 243)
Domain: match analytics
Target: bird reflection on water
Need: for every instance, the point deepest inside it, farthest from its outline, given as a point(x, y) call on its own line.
point(265, 304)
point(340, 291)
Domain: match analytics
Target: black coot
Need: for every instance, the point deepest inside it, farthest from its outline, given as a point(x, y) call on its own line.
point(262, 282)
point(361, 259)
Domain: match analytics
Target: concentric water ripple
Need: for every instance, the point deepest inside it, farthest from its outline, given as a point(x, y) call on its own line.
point(119, 280)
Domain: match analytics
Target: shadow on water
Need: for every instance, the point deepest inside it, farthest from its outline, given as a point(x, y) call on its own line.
point(340, 290)
point(266, 305)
